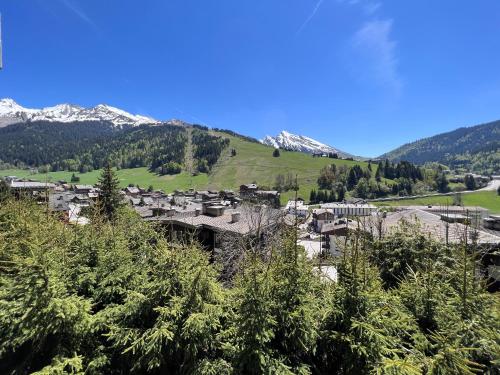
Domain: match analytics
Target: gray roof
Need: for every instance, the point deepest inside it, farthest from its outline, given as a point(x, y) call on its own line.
point(132, 190)
point(31, 185)
point(224, 223)
point(84, 187)
point(435, 227)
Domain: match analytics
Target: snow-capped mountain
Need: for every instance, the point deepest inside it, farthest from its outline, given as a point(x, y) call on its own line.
point(300, 143)
point(11, 113)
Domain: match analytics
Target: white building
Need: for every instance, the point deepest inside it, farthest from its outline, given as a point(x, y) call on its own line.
point(297, 208)
point(346, 209)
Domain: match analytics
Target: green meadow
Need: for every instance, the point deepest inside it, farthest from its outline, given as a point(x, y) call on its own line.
point(136, 176)
point(253, 163)
point(486, 199)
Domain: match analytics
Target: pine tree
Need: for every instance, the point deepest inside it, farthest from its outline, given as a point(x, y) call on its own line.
point(470, 182)
point(377, 173)
point(352, 179)
point(276, 152)
point(340, 193)
point(4, 190)
point(442, 183)
point(109, 199)
point(312, 196)
point(75, 178)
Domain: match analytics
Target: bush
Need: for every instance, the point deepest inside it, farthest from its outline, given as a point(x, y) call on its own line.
point(171, 168)
point(75, 178)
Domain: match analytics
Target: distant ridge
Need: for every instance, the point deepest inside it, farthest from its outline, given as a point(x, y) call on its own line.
point(475, 148)
point(12, 113)
point(301, 143)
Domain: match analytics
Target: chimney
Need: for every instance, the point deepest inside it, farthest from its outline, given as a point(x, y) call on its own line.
point(235, 217)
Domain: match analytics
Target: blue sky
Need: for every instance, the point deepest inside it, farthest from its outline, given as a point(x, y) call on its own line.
point(362, 75)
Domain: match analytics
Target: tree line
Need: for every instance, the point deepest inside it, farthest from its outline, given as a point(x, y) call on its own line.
point(207, 149)
point(376, 180)
point(86, 146)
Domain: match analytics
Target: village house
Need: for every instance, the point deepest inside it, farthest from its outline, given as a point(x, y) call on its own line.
point(132, 191)
point(35, 189)
point(320, 217)
point(211, 225)
point(350, 209)
point(83, 189)
point(248, 190)
point(297, 208)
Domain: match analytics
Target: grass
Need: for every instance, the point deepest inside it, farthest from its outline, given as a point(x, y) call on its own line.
point(136, 176)
point(486, 199)
point(253, 162)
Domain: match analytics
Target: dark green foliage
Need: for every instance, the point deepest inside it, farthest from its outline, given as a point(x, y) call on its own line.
point(473, 149)
point(276, 312)
point(75, 178)
point(442, 183)
point(312, 196)
point(171, 168)
point(50, 143)
point(405, 250)
point(234, 134)
point(4, 191)
point(207, 149)
point(378, 174)
point(276, 153)
point(117, 298)
point(85, 146)
point(470, 182)
point(327, 177)
point(340, 193)
point(110, 199)
point(324, 196)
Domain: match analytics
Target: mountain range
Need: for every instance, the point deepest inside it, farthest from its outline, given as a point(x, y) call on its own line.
point(473, 148)
point(13, 113)
point(301, 143)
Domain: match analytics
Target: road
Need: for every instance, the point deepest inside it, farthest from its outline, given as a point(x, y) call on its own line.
point(492, 186)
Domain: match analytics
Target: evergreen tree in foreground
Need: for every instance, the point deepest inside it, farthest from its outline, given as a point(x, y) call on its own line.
point(4, 190)
point(110, 199)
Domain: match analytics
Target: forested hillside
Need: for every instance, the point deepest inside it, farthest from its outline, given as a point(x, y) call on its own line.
point(118, 298)
point(472, 149)
point(86, 146)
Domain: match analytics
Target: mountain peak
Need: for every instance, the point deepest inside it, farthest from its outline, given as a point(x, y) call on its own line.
point(301, 143)
point(11, 112)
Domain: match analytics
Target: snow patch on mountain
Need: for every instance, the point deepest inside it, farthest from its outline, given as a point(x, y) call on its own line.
point(11, 113)
point(301, 143)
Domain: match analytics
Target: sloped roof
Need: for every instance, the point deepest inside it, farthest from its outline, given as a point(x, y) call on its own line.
point(436, 228)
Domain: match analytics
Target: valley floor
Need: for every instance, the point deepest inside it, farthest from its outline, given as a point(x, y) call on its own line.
point(487, 199)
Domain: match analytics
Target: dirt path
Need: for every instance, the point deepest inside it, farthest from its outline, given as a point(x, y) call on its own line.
point(188, 157)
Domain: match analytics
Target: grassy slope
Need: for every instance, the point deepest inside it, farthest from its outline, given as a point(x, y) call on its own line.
point(486, 199)
point(254, 162)
point(136, 176)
